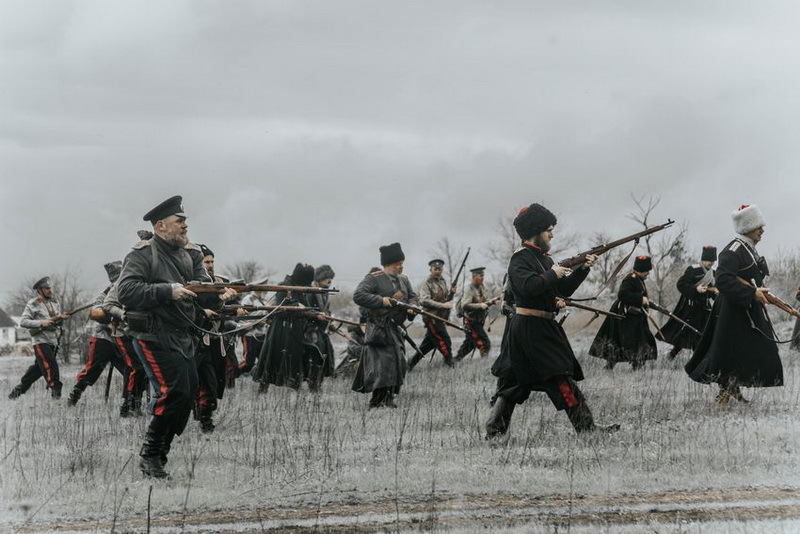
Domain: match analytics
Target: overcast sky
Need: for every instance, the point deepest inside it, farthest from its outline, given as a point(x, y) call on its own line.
point(318, 131)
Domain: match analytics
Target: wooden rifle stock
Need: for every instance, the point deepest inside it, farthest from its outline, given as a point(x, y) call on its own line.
point(57, 320)
point(575, 261)
point(775, 301)
point(418, 310)
point(661, 309)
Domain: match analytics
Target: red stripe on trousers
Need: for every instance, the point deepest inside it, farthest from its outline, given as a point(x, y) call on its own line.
point(474, 335)
point(438, 338)
point(48, 372)
point(566, 392)
point(89, 359)
point(129, 362)
point(162, 384)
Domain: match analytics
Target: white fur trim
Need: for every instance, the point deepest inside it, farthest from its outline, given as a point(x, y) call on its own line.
point(748, 219)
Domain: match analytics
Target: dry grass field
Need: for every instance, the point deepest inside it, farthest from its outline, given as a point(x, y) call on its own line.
point(300, 462)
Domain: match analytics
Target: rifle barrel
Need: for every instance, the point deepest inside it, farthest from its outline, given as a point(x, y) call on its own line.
point(602, 249)
point(220, 287)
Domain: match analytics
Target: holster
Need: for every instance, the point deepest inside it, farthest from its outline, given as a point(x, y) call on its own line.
point(141, 321)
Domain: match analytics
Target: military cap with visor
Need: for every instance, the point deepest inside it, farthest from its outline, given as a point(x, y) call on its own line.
point(171, 206)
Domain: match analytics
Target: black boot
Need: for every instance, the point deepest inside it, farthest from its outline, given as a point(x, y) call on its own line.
point(57, 390)
point(16, 392)
point(206, 424)
point(499, 418)
point(315, 375)
point(415, 360)
point(125, 408)
point(153, 449)
point(582, 420)
point(673, 353)
point(75, 395)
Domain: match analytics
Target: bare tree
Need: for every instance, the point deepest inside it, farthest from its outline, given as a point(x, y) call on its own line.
point(667, 250)
point(70, 290)
point(248, 270)
point(502, 248)
point(604, 268)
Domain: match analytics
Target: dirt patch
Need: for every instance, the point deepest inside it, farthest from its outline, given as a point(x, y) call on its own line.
point(355, 514)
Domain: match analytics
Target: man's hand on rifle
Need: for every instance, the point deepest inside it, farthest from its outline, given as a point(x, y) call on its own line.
point(210, 313)
point(702, 289)
point(761, 295)
point(179, 292)
point(240, 312)
point(387, 302)
point(228, 294)
point(483, 306)
point(447, 305)
point(590, 260)
point(561, 271)
point(645, 302)
point(561, 303)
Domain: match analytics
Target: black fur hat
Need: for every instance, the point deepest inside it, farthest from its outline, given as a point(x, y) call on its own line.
point(391, 254)
point(144, 235)
point(322, 272)
point(205, 250)
point(533, 220)
point(302, 275)
point(113, 270)
point(642, 264)
point(709, 253)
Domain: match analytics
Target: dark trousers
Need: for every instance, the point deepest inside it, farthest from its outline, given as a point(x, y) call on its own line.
point(45, 366)
point(208, 371)
point(251, 347)
point(101, 353)
point(436, 338)
point(173, 379)
point(135, 377)
point(476, 338)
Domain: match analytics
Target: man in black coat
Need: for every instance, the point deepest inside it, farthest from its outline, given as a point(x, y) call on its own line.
point(628, 339)
point(696, 286)
point(535, 353)
point(161, 314)
point(738, 347)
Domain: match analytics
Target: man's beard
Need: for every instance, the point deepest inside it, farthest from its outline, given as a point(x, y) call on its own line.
point(542, 244)
point(177, 240)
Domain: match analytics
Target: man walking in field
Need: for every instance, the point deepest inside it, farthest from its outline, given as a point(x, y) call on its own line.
point(161, 313)
point(472, 306)
point(433, 295)
point(738, 347)
point(536, 355)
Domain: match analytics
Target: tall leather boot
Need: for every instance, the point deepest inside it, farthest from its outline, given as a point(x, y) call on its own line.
point(125, 408)
point(499, 418)
point(56, 392)
point(16, 392)
point(415, 360)
point(75, 394)
point(153, 449)
point(582, 420)
point(315, 374)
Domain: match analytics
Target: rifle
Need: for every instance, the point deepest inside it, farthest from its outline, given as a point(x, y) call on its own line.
point(420, 311)
point(601, 249)
point(219, 287)
point(312, 312)
point(454, 283)
point(659, 308)
point(57, 320)
point(108, 381)
point(775, 301)
point(572, 303)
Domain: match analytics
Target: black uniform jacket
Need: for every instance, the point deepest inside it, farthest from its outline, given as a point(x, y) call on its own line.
point(738, 343)
point(692, 307)
point(534, 349)
point(628, 339)
point(145, 284)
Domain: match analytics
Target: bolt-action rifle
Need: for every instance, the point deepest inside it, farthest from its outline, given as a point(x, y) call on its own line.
point(219, 287)
point(311, 312)
point(454, 282)
point(58, 319)
point(575, 261)
point(420, 311)
point(661, 309)
point(573, 304)
point(774, 300)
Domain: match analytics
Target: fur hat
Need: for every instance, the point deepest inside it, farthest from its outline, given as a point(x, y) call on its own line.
point(302, 275)
point(642, 264)
point(113, 270)
point(205, 250)
point(391, 254)
point(709, 253)
point(322, 272)
point(42, 282)
point(747, 218)
point(533, 220)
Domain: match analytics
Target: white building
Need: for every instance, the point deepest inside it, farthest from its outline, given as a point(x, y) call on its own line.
point(8, 330)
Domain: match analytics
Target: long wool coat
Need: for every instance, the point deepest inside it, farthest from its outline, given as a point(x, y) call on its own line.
point(628, 339)
point(737, 346)
point(692, 307)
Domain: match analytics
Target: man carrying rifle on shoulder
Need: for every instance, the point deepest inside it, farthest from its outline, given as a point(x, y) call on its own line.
point(161, 314)
point(382, 368)
point(42, 317)
point(738, 347)
point(474, 308)
point(536, 355)
point(434, 295)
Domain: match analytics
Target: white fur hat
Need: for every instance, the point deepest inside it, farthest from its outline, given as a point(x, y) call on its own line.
point(747, 218)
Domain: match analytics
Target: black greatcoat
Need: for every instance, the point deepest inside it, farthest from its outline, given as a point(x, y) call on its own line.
point(628, 339)
point(692, 307)
point(536, 350)
point(737, 347)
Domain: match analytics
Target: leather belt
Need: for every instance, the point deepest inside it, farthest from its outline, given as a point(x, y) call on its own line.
point(536, 313)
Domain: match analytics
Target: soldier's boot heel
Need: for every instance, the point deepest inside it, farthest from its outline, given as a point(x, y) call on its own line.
point(57, 390)
point(16, 392)
point(581, 418)
point(499, 419)
point(150, 462)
